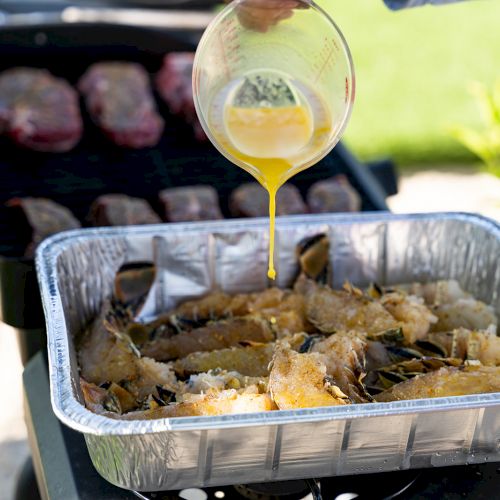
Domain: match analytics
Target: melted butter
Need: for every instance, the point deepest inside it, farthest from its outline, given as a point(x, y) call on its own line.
point(269, 132)
point(275, 139)
point(264, 137)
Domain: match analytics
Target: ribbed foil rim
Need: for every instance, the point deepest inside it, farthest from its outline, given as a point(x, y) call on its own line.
point(72, 413)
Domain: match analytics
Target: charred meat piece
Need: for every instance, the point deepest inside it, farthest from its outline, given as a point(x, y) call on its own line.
point(249, 200)
point(252, 200)
point(14, 83)
point(39, 111)
point(217, 335)
point(37, 218)
point(174, 84)
point(333, 195)
point(190, 203)
point(119, 99)
point(121, 210)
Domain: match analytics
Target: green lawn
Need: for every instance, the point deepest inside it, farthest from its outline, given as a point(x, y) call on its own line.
point(412, 70)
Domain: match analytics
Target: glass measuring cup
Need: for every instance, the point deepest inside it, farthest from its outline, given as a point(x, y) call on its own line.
point(286, 70)
point(308, 47)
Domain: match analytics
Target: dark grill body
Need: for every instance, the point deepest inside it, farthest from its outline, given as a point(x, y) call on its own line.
point(97, 166)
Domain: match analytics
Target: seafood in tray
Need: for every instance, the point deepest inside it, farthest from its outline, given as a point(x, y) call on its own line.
point(280, 349)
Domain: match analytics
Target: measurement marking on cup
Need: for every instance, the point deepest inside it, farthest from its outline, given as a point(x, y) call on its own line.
point(325, 62)
point(224, 57)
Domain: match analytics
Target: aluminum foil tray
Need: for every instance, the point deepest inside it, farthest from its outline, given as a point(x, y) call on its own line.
point(76, 271)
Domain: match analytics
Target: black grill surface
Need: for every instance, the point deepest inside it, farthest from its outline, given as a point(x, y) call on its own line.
point(96, 166)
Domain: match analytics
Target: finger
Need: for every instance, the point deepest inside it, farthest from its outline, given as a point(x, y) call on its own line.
point(263, 14)
point(260, 15)
point(255, 23)
point(269, 4)
point(284, 15)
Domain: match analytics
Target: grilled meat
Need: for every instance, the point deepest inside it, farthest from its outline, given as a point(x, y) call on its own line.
point(333, 195)
point(174, 84)
point(38, 218)
point(39, 111)
point(120, 101)
point(190, 203)
point(252, 200)
point(121, 210)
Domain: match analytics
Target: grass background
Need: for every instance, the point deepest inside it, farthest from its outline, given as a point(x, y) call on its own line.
point(412, 71)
